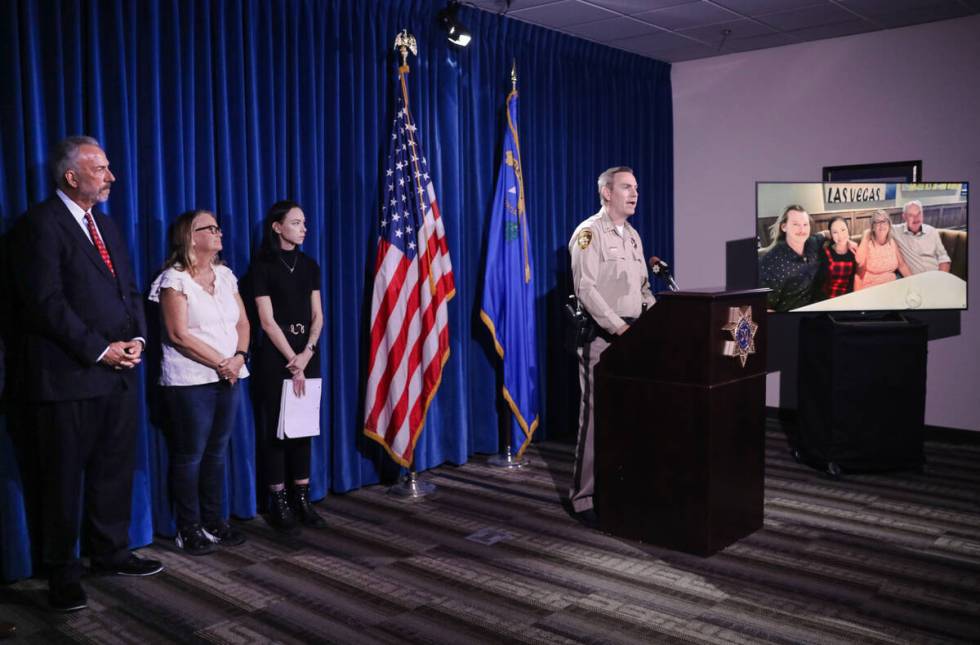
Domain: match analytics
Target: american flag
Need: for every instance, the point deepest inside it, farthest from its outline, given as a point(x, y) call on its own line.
point(413, 281)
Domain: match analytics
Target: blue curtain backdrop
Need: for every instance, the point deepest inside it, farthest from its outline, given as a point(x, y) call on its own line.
point(233, 105)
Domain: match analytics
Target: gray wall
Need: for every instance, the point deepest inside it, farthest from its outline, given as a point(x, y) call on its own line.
point(782, 114)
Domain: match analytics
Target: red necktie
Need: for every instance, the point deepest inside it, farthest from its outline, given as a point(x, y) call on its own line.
point(97, 240)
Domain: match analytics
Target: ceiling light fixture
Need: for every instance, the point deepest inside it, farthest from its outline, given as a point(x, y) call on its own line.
point(457, 33)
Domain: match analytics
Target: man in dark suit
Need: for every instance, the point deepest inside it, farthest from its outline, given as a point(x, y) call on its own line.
point(83, 326)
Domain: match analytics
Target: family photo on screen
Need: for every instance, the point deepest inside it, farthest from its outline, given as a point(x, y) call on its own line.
point(862, 247)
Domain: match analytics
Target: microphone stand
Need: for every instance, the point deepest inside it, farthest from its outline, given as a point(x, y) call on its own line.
point(664, 274)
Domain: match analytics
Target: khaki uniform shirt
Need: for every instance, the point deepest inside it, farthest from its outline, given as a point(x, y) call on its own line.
point(609, 271)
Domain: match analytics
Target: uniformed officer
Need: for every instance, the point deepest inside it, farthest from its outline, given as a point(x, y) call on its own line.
point(611, 281)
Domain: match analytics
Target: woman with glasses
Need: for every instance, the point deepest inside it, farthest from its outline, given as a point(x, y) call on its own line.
point(205, 348)
point(286, 286)
point(878, 255)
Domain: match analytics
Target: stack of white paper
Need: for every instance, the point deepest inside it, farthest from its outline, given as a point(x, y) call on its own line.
point(299, 416)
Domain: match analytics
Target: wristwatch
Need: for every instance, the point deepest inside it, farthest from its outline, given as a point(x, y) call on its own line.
point(244, 354)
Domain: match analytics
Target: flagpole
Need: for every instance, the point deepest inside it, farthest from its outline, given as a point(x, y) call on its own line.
point(508, 460)
point(411, 487)
point(405, 42)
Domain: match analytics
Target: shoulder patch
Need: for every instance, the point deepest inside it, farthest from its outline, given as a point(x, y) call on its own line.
point(584, 238)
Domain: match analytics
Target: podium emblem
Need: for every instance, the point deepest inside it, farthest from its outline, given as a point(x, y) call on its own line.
point(742, 329)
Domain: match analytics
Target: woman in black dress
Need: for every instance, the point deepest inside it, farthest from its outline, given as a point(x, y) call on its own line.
point(286, 286)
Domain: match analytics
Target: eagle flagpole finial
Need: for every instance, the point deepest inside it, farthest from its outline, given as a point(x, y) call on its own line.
point(404, 43)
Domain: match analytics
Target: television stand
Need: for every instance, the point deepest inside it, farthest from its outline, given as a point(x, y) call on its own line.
point(865, 318)
point(862, 389)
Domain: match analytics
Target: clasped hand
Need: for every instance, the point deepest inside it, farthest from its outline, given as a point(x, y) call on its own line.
point(123, 354)
point(229, 368)
point(297, 366)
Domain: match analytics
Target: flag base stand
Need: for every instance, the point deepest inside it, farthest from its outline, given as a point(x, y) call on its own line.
point(412, 487)
point(507, 461)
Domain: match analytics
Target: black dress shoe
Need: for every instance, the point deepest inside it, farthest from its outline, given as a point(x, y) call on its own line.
point(133, 565)
point(67, 597)
point(223, 533)
point(192, 540)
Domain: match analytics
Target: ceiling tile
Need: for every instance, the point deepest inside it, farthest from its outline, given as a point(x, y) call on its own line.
point(918, 16)
point(647, 45)
point(686, 53)
point(614, 29)
point(562, 14)
point(757, 7)
point(694, 14)
point(632, 7)
point(676, 30)
point(878, 7)
point(815, 16)
point(500, 6)
point(712, 34)
point(757, 42)
point(833, 31)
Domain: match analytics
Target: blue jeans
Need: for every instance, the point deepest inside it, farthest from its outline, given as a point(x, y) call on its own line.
point(202, 418)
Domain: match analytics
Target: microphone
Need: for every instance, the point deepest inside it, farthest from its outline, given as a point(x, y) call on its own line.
point(662, 270)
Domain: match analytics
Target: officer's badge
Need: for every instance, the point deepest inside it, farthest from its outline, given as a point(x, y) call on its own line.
point(742, 328)
point(584, 238)
point(633, 240)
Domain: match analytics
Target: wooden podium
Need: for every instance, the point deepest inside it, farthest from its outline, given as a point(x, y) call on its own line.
point(680, 416)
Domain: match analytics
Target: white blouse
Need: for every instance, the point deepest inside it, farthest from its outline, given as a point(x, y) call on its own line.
point(210, 318)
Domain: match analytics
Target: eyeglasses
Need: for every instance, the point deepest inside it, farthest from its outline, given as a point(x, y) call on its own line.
point(214, 228)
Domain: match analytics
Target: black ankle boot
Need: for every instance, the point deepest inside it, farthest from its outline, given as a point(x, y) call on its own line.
point(303, 509)
point(281, 516)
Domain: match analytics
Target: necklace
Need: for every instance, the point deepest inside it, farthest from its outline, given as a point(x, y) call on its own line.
point(289, 268)
point(206, 283)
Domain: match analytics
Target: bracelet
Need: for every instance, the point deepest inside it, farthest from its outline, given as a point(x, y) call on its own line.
point(244, 354)
point(312, 348)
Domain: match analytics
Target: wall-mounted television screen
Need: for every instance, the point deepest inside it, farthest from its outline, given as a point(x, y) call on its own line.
point(859, 247)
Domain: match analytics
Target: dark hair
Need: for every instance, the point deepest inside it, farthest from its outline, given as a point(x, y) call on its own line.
point(829, 242)
point(276, 214)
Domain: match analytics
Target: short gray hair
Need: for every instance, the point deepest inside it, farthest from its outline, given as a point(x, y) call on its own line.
point(65, 153)
point(914, 202)
point(607, 177)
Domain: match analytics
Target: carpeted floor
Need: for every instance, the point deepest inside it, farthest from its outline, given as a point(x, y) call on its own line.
point(493, 556)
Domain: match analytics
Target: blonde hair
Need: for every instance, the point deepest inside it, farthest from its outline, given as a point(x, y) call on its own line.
point(182, 255)
point(880, 216)
point(776, 231)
